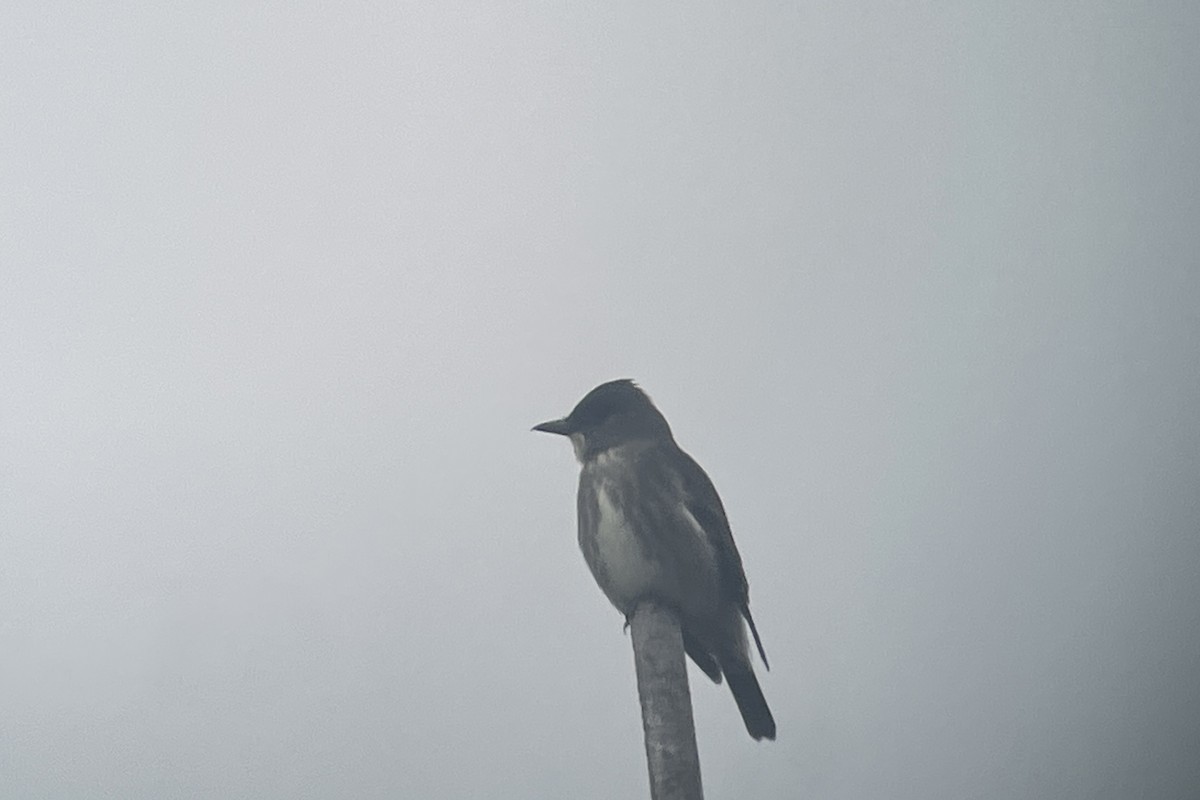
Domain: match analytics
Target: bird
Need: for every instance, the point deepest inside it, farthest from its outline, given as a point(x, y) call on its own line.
point(651, 526)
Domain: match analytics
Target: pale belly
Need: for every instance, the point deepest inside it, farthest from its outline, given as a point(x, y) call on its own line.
point(623, 570)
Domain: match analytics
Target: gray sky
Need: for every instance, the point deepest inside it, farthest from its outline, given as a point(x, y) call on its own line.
point(282, 293)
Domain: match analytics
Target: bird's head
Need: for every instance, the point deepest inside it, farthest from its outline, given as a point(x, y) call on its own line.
point(612, 414)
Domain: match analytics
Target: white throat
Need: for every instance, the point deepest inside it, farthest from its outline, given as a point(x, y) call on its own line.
point(578, 443)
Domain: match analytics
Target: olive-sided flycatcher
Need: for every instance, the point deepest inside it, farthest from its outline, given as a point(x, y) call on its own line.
point(652, 526)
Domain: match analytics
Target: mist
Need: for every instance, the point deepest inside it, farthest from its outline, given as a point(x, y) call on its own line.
point(281, 294)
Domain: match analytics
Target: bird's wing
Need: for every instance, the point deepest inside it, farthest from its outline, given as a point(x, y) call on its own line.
point(704, 504)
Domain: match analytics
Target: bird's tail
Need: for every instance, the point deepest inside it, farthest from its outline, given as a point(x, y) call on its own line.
point(750, 701)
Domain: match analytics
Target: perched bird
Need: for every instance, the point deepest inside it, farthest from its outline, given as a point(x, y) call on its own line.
point(652, 526)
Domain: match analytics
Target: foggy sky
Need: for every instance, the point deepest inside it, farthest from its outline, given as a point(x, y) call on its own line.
point(282, 291)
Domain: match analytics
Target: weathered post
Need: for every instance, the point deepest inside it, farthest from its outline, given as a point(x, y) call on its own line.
point(670, 731)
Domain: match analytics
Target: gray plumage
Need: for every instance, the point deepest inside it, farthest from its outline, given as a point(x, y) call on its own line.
point(652, 525)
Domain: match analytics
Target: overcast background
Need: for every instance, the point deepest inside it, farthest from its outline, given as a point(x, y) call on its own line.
point(283, 290)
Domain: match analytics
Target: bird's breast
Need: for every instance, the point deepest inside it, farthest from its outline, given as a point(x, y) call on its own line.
point(617, 556)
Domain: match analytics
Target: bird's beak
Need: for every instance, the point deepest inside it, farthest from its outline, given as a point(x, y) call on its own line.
point(558, 426)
